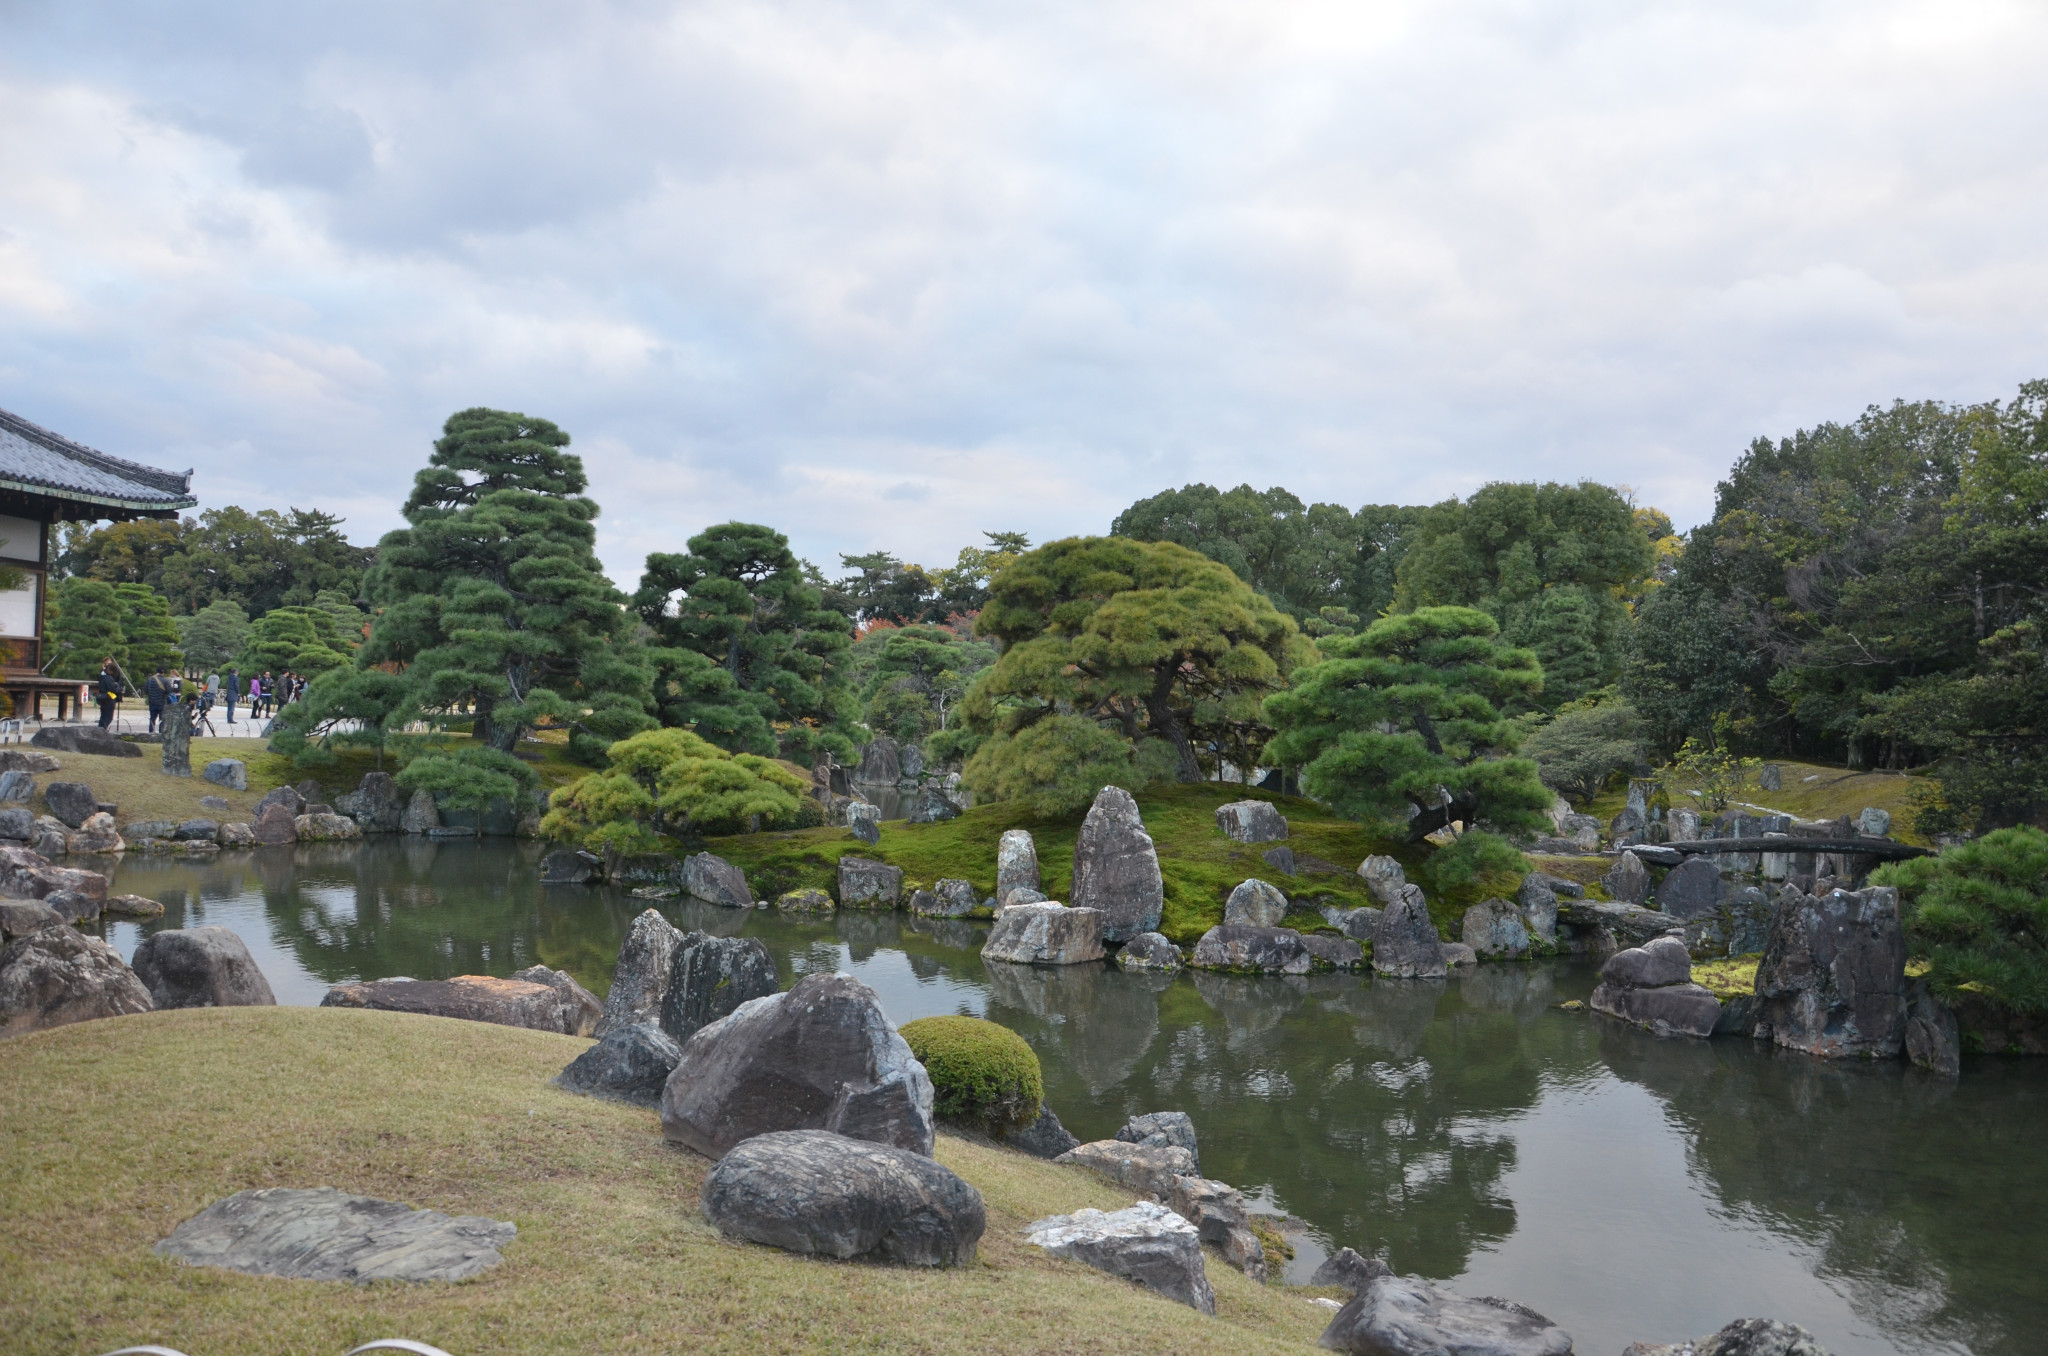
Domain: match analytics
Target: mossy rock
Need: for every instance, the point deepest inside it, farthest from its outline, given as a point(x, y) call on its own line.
point(982, 1074)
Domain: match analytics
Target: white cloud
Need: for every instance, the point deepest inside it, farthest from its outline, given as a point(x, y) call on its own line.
point(888, 276)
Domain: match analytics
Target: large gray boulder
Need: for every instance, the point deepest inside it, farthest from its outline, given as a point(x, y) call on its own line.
point(1048, 933)
point(72, 906)
point(469, 998)
point(1832, 981)
point(1251, 821)
point(715, 880)
point(1016, 864)
point(1043, 1138)
point(1494, 930)
point(581, 1011)
point(95, 836)
point(820, 1056)
point(207, 967)
point(20, 917)
point(1385, 878)
point(1405, 944)
point(1933, 1039)
point(376, 805)
point(710, 977)
point(1408, 1316)
point(1116, 869)
point(930, 805)
point(571, 866)
point(196, 831)
point(84, 739)
point(947, 899)
point(880, 763)
point(1358, 924)
point(57, 975)
point(1254, 903)
point(71, 802)
point(640, 976)
point(1147, 1243)
point(1629, 880)
point(1873, 822)
point(1345, 1269)
point(1652, 986)
point(824, 1194)
point(275, 826)
point(1537, 899)
point(1339, 953)
point(232, 773)
point(1743, 1337)
point(17, 785)
point(1749, 921)
point(320, 827)
point(286, 796)
point(1253, 951)
point(421, 815)
point(1692, 889)
point(868, 884)
point(17, 825)
point(1598, 926)
point(1582, 830)
point(1163, 1130)
point(1145, 1168)
point(326, 1235)
point(627, 1064)
point(1149, 951)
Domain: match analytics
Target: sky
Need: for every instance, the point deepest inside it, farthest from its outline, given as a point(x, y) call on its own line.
point(888, 275)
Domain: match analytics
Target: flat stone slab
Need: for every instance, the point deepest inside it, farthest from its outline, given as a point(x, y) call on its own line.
point(328, 1235)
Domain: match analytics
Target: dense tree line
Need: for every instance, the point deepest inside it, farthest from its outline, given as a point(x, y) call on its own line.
point(258, 561)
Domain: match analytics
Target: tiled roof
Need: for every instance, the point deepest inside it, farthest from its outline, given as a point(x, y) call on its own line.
point(35, 459)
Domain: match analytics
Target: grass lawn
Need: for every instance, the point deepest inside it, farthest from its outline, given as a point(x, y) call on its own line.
point(1831, 793)
point(1199, 864)
point(112, 1132)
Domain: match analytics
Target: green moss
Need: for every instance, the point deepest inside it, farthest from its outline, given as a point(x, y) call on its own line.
point(983, 1074)
point(1734, 977)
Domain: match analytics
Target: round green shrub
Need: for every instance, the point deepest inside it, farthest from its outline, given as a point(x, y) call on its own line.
point(982, 1074)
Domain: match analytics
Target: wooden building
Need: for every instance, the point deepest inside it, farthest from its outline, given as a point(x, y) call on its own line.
point(46, 479)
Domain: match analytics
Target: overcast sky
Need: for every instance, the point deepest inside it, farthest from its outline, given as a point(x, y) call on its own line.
point(889, 274)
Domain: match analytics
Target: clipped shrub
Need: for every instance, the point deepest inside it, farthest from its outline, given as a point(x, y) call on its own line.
point(983, 1075)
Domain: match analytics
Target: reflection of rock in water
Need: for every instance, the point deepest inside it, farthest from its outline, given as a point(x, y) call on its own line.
point(866, 933)
point(1251, 1004)
point(951, 932)
point(1090, 1021)
point(1394, 1014)
point(1918, 1235)
point(691, 915)
point(1525, 990)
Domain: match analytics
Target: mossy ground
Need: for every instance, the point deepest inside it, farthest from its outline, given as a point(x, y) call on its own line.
point(112, 1132)
point(1832, 793)
point(1200, 865)
point(1732, 977)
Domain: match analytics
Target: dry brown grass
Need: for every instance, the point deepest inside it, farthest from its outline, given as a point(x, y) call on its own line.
point(112, 1132)
point(140, 788)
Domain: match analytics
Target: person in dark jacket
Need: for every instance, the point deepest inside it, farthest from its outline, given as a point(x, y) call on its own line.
point(231, 688)
point(110, 691)
point(156, 691)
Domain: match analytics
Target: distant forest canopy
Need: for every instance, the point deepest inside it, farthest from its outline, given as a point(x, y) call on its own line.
point(1868, 593)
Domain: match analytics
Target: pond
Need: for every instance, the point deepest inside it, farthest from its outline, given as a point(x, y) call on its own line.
point(1628, 1187)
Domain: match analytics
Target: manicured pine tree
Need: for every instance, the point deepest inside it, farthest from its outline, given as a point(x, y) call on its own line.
point(493, 599)
point(302, 639)
point(83, 623)
point(214, 635)
point(151, 635)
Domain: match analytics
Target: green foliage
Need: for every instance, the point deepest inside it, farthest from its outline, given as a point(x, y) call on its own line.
point(83, 621)
point(1979, 914)
point(351, 623)
point(261, 561)
point(1305, 558)
point(982, 1074)
point(214, 635)
point(345, 707)
point(1408, 710)
point(472, 779)
point(912, 678)
point(1712, 776)
point(150, 636)
point(1551, 563)
point(1585, 745)
point(672, 783)
point(740, 600)
point(1057, 765)
point(1148, 639)
point(492, 599)
point(692, 692)
point(1476, 856)
point(302, 639)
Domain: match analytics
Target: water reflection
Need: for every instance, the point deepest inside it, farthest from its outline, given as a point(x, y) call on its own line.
point(1466, 1129)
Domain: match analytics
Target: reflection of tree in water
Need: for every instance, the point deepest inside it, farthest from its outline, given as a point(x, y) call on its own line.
point(1909, 1201)
point(1362, 1106)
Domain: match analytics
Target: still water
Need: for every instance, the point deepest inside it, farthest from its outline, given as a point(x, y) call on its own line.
point(1628, 1187)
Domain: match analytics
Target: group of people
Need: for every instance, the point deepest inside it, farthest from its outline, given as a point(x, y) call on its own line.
point(266, 694)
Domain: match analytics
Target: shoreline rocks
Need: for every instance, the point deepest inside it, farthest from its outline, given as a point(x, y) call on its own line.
point(715, 880)
point(57, 975)
point(1255, 904)
point(205, 967)
point(1405, 944)
point(1652, 987)
point(1254, 951)
point(1407, 1314)
point(1149, 951)
point(1832, 982)
point(868, 884)
point(1145, 1168)
point(1045, 934)
point(1016, 865)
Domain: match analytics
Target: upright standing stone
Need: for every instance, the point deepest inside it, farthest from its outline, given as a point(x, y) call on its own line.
point(1384, 877)
point(1405, 944)
point(1116, 869)
point(1629, 881)
point(709, 977)
point(1692, 889)
point(1833, 978)
point(177, 727)
point(1538, 901)
point(1016, 864)
point(1495, 931)
point(1771, 778)
point(640, 979)
point(864, 821)
point(1749, 922)
point(421, 814)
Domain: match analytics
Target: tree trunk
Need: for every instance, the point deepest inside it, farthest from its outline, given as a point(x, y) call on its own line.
point(1166, 723)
